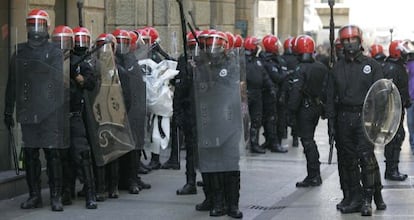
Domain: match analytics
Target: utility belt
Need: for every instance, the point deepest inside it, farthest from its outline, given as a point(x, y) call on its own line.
point(350, 108)
point(77, 112)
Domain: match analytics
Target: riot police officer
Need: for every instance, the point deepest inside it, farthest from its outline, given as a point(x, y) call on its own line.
point(284, 119)
point(133, 88)
point(82, 77)
point(394, 68)
point(276, 68)
point(349, 82)
point(305, 103)
point(377, 52)
point(257, 80)
point(219, 125)
point(37, 67)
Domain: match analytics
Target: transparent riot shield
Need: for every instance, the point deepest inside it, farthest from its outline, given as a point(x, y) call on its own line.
point(381, 113)
point(133, 75)
point(106, 117)
point(40, 78)
point(243, 92)
point(218, 112)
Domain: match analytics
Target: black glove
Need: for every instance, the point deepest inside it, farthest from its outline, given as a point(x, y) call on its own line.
point(8, 120)
point(331, 129)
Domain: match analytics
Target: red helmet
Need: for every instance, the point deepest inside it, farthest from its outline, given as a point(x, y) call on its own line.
point(376, 49)
point(134, 39)
point(238, 41)
point(230, 38)
point(123, 40)
point(271, 43)
point(106, 38)
point(37, 21)
point(216, 42)
point(251, 43)
point(304, 45)
point(152, 33)
point(63, 35)
point(191, 39)
point(82, 37)
point(143, 37)
point(350, 31)
point(395, 49)
point(202, 37)
point(288, 45)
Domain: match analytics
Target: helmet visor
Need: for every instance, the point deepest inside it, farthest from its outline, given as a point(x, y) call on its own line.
point(36, 25)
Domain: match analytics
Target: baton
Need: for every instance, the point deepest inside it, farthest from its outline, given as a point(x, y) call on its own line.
point(12, 146)
point(331, 146)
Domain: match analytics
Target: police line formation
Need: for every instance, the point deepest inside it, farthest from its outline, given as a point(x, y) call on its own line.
point(92, 108)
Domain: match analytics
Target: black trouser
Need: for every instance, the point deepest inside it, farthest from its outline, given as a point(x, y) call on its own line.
point(392, 150)
point(33, 170)
point(308, 118)
point(270, 118)
point(355, 149)
point(190, 146)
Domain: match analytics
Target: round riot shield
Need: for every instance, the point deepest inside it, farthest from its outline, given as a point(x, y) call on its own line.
point(381, 113)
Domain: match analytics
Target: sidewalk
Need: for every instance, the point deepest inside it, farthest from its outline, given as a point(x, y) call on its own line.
point(267, 192)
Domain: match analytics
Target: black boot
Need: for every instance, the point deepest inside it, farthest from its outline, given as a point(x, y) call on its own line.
point(310, 181)
point(100, 180)
point(113, 170)
point(254, 142)
point(154, 164)
point(68, 177)
point(206, 205)
point(171, 164)
point(33, 170)
point(277, 147)
point(142, 185)
point(295, 141)
point(89, 182)
point(355, 203)
point(232, 191)
point(218, 195)
point(189, 188)
point(55, 175)
point(173, 161)
point(366, 209)
point(379, 201)
point(345, 201)
point(392, 172)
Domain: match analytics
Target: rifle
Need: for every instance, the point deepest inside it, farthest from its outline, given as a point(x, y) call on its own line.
point(12, 146)
point(331, 64)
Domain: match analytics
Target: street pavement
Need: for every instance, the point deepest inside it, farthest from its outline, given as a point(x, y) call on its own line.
point(267, 192)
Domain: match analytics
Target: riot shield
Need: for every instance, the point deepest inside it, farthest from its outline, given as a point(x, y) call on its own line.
point(106, 117)
point(42, 96)
point(137, 95)
point(381, 112)
point(243, 92)
point(142, 51)
point(218, 112)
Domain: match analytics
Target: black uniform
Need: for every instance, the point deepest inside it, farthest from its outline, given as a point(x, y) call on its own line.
point(184, 116)
point(395, 69)
point(257, 80)
point(79, 152)
point(277, 70)
point(305, 103)
point(38, 65)
point(284, 119)
point(347, 87)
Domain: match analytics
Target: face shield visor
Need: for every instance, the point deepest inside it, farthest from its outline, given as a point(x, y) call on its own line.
point(123, 45)
point(37, 25)
point(82, 40)
point(64, 41)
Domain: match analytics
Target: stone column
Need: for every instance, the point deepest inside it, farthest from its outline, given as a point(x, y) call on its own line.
point(298, 16)
point(284, 19)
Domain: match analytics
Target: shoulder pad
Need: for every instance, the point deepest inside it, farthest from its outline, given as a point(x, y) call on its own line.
point(258, 63)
